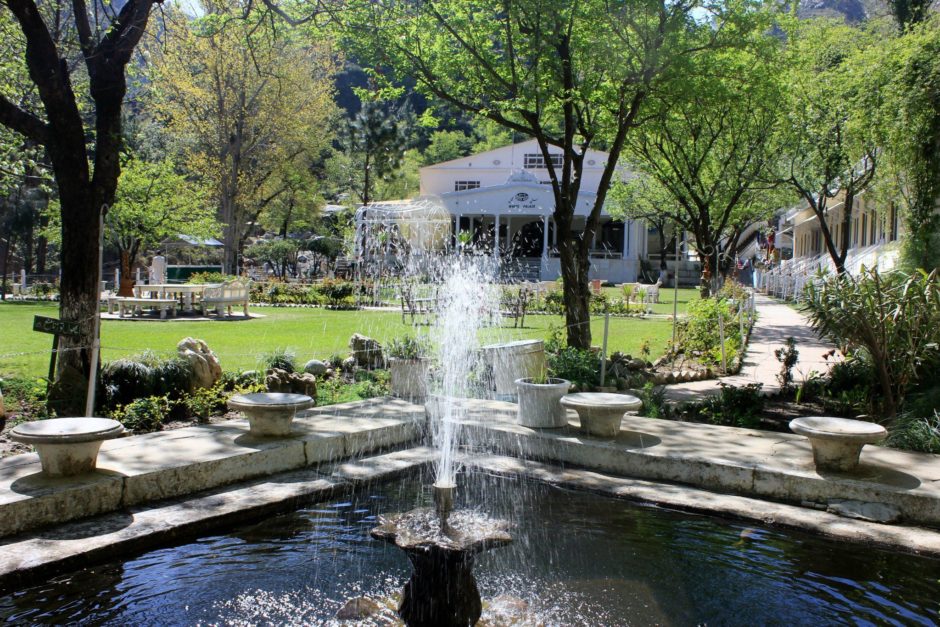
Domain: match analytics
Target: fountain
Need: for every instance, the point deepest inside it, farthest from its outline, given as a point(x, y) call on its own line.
point(440, 543)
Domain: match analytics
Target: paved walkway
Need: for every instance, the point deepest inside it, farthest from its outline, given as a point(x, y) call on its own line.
point(776, 322)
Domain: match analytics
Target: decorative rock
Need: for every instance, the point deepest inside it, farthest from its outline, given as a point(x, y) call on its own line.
point(366, 352)
point(315, 367)
point(349, 364)
point(278, 380)
point(359, 608)
point(204, 363)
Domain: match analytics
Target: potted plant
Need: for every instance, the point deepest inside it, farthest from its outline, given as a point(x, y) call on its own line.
point(408, 367)
point(539, 401)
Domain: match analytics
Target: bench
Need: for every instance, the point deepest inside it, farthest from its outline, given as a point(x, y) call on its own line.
point(224, 295)
point(411, 306)
point(600, 413)
point(67, 446)
point(270, 414)
point(837, 442)
point(122, 303)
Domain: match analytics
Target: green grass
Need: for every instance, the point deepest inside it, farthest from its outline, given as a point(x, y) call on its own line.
point(308, 332)
point(666, 298)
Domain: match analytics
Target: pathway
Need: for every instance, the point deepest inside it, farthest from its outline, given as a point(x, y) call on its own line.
point(776, 322)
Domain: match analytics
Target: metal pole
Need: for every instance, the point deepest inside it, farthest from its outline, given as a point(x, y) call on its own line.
point(721, 337)
point(604, 347)
point(96, 342)
point(675, 291)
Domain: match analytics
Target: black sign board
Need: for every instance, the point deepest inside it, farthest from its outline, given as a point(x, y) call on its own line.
point(55, 326)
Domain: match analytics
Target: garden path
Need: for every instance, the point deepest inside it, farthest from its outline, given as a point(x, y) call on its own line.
point(776, 321)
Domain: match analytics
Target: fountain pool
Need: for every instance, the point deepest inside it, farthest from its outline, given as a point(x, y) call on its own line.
point(576, 559)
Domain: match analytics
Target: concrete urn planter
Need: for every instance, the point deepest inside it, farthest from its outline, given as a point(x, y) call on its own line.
point(539, 403)
point(409, 378)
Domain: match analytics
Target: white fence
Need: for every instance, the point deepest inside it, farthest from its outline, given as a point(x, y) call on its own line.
point(789, 279)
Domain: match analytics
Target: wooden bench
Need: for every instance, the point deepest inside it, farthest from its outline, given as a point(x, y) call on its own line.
point(122, 303)
point(223, 296)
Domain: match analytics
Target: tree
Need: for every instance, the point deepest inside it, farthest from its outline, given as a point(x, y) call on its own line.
point(829, 148)
point(373, 145)
point(572, 75)
point(154, 203)
point(250, 103)
point(642, 197)
point(279, 254)
point(910, 124)
point(708, 143)
point(445, 146)
point(75, 54)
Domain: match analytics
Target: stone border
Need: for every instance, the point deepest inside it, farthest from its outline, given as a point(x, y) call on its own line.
point(33, 557)
point(914, 540)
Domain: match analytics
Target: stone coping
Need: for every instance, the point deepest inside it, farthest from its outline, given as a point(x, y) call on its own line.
point(170, 464)
point(31, 557)
point(761, 464)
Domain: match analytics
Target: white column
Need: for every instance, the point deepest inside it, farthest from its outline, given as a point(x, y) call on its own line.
point(457, 231)
point(545, 237)
point(496, 235)
point(23, 279)
point(627, 225)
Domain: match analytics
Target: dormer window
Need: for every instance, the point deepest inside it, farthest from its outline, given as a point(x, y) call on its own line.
point(462, 186)
point(535, 160)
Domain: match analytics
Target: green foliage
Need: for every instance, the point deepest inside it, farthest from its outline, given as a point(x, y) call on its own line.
point(447, 145)
point(367, 384)
point(654, 402)
point(210, 277)
point(407, 347)
point(699, 332)
point(913, 433)
point(144, 415)
point(24, 398)
point(580, 366)
point(281, 358)
point(280, 254)
point(172, 378)
point(337, 291)
point(787, 356)
point(890, 320)
point(125, 380)
point(732, 406)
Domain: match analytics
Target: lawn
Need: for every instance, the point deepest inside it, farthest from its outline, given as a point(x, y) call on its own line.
point(308, 332)
point(666, 298)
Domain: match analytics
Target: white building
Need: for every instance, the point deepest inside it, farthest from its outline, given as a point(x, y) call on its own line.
point(505, 194)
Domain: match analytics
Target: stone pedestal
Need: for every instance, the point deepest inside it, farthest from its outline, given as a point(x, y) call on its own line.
point(600, 413)
point(270, 414)
point(67, 446)
point(837, 442)
point(442, 591)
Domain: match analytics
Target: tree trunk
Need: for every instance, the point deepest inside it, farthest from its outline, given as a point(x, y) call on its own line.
point(126, 288)
point(574, 273)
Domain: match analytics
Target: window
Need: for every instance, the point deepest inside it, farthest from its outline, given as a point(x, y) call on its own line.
point(462, 186)
point(535, 161)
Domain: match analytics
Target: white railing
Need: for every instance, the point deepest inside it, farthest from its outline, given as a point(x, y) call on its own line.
point(789, 279)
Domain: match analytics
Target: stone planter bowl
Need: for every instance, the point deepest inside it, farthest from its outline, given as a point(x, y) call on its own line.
point(837, 442)
point(600, 413)
point(270, 414)
point(67, 446)
point(539, 403)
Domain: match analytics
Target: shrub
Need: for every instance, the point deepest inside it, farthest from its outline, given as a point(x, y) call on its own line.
point(914, 433)
point(699, 332)
point(407, 347)
point(172, 378)
point(732, 406)
point(891, 321)
point(210, 277)
point(24, 398)
point(580, 366)
point(337, 291)
point(554, 302)
point(125, 380)
point(280, 358)
point(787, 356)
point(144, 414)
point(654, 402)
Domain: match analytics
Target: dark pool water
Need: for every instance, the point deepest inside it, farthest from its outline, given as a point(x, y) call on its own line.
point(578, 559)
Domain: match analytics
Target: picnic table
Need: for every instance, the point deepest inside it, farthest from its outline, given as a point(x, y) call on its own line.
point(186, 293)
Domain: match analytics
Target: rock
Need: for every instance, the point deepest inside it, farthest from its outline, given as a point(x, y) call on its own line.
point(359, 608)
point(349, 364)
point(872, 512)
point(688, 375)
point(366, 351)
point(315, 367)
point(636, 364)
point(278, 380)
point(204, 363)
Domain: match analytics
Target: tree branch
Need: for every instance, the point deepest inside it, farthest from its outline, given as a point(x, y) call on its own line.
point(23, 122)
